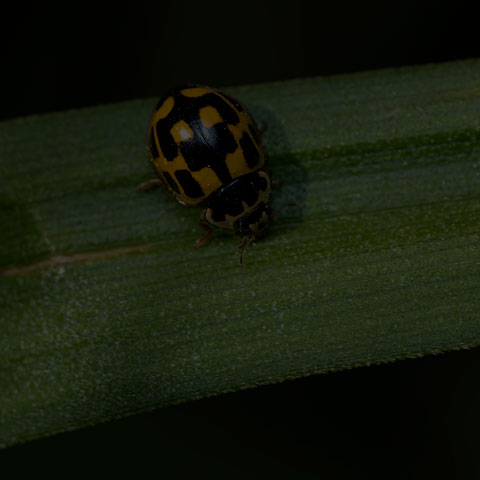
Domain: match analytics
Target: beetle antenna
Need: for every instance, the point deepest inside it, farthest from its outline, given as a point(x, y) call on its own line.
point(242, 251)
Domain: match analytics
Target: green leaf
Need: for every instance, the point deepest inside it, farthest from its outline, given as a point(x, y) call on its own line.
point(106, 309)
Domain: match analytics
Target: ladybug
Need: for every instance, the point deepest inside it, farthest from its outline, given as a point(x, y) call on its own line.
point(207, 150)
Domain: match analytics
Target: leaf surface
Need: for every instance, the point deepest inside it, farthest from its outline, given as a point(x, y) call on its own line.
point(106, 309)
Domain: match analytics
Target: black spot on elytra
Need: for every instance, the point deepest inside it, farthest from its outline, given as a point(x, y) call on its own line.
point(165, 139)
point(208, 148)
point(224, 109)
point(153, 145)
point(254, 132)
point(161, 101)
point(190, 186)
point(250, 151)
point(234, 102)
point(171, 182)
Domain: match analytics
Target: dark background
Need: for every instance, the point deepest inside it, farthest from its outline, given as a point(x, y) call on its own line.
point(82, 54)
point(411, 419)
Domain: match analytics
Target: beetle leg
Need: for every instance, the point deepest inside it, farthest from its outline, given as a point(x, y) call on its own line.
point(203, 224)
point(154, 182)
point(246, 241)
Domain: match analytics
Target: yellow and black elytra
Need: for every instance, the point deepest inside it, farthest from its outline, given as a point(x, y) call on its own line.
point(207, 149)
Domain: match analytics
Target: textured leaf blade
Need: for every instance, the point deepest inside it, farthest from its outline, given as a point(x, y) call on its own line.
point(107, 309)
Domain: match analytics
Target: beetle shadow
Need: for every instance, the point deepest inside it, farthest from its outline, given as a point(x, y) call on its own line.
point(289, 199)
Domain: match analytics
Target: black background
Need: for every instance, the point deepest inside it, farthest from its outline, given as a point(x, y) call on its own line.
point(83, 54)
point(411, 419)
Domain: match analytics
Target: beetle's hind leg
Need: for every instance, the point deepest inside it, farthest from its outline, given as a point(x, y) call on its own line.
point(203, 223)
point(154, 182)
